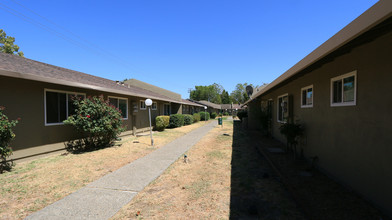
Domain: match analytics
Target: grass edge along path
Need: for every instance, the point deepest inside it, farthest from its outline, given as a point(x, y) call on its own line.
point(32, 185)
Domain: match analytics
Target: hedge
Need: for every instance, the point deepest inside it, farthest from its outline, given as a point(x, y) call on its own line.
point(188, 119)
point(213, 115)
point(196, 117)
point(204, 116)
point(176, 120)
point(162, 122)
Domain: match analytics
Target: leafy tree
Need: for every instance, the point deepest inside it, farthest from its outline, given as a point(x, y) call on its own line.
point(226, 99)
point(6, 135)
point(239, 95)
point(211, 93)
point(7, 44)
point(99, 122)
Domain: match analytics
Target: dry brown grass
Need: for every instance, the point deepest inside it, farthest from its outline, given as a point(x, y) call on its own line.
point(32, 185)
point(198, 189)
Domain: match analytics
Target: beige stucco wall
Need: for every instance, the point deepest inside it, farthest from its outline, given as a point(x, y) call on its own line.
point(25, 99)
point(353, 143)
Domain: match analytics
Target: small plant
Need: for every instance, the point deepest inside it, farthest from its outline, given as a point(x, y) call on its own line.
point(99, 122)
point(213, 115)
point(196, 117)
point(188, 119)
point(220, 114)
point(176, 120)
point(292, 131)
point(226, 113)
point(242, 114)
point(204, 116)
point(162, 122)
point(6, 136)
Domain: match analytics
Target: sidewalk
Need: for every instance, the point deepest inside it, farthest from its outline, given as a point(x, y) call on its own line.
point(106, 196)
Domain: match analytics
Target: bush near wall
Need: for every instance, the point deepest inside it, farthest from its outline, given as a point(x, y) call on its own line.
point(213, 115)
point(162, 122)
point(242, 114)
point(196, 117)
point(204, 116)
point(176, 120)
point(188, 119)
point(6, 136)
point(98, 121)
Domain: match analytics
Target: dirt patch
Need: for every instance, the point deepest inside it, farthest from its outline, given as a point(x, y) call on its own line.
point(222, 179)
point(32, 185)
point(319, 196)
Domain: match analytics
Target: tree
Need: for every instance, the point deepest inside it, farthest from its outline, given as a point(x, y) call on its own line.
point(239, 95)
point(97, 120)
point(7, 44)
point(226, 99)
point(211, 93)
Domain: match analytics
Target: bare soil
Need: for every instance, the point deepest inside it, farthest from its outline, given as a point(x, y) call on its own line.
point(319, 196)
point(32, 185)
point(224, 177)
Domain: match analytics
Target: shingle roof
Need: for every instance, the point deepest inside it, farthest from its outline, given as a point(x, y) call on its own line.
point(187, 102)
point(207, 103)
point(378, 13)
point(20, 67)
point(230, 106)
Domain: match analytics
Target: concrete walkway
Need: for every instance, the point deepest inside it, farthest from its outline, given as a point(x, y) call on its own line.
point(106, 196)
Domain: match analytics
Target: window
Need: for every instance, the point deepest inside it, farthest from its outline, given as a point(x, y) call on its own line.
point(121, 104)
point(307, 97)
point(166, 110)
point(283, 108)
point(343, 89)
point(154, 106)
point(142, 105)
point(59, 105)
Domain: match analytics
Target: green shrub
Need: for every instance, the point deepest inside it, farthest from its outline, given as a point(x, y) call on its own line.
point(176, 120)
point(226, 113)
point(6, 136)
point(204, 116)
point(213, 115)
point(220, 114)
point(242, 114)
point(161, 122)
point(188, 119)
point(196, 117)
point(99, 122)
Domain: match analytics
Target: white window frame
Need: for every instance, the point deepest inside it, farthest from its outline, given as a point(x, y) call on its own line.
point(342, 77)
point(144, 103)
point(118, 104)
point(66, 103)
point(280, 107)
point(306, 89)
point(156, 106)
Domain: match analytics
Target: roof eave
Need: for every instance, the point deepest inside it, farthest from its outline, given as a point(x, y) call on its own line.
point(367, 20)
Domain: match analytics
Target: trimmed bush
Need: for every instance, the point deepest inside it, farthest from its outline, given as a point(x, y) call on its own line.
point(188, 119)
point(162, 122)
point(196, 117)
point(99, 122)
point(226, 113)
point(6, 136)
point(213, 115)
point(176, 120)
point(242, 114)
point(204, 116)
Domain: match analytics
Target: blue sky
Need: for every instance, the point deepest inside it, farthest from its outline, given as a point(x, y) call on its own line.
point(178, 44)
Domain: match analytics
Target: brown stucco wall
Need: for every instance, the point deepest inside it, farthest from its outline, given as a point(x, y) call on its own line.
point(25, 99)
point(353, 143)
